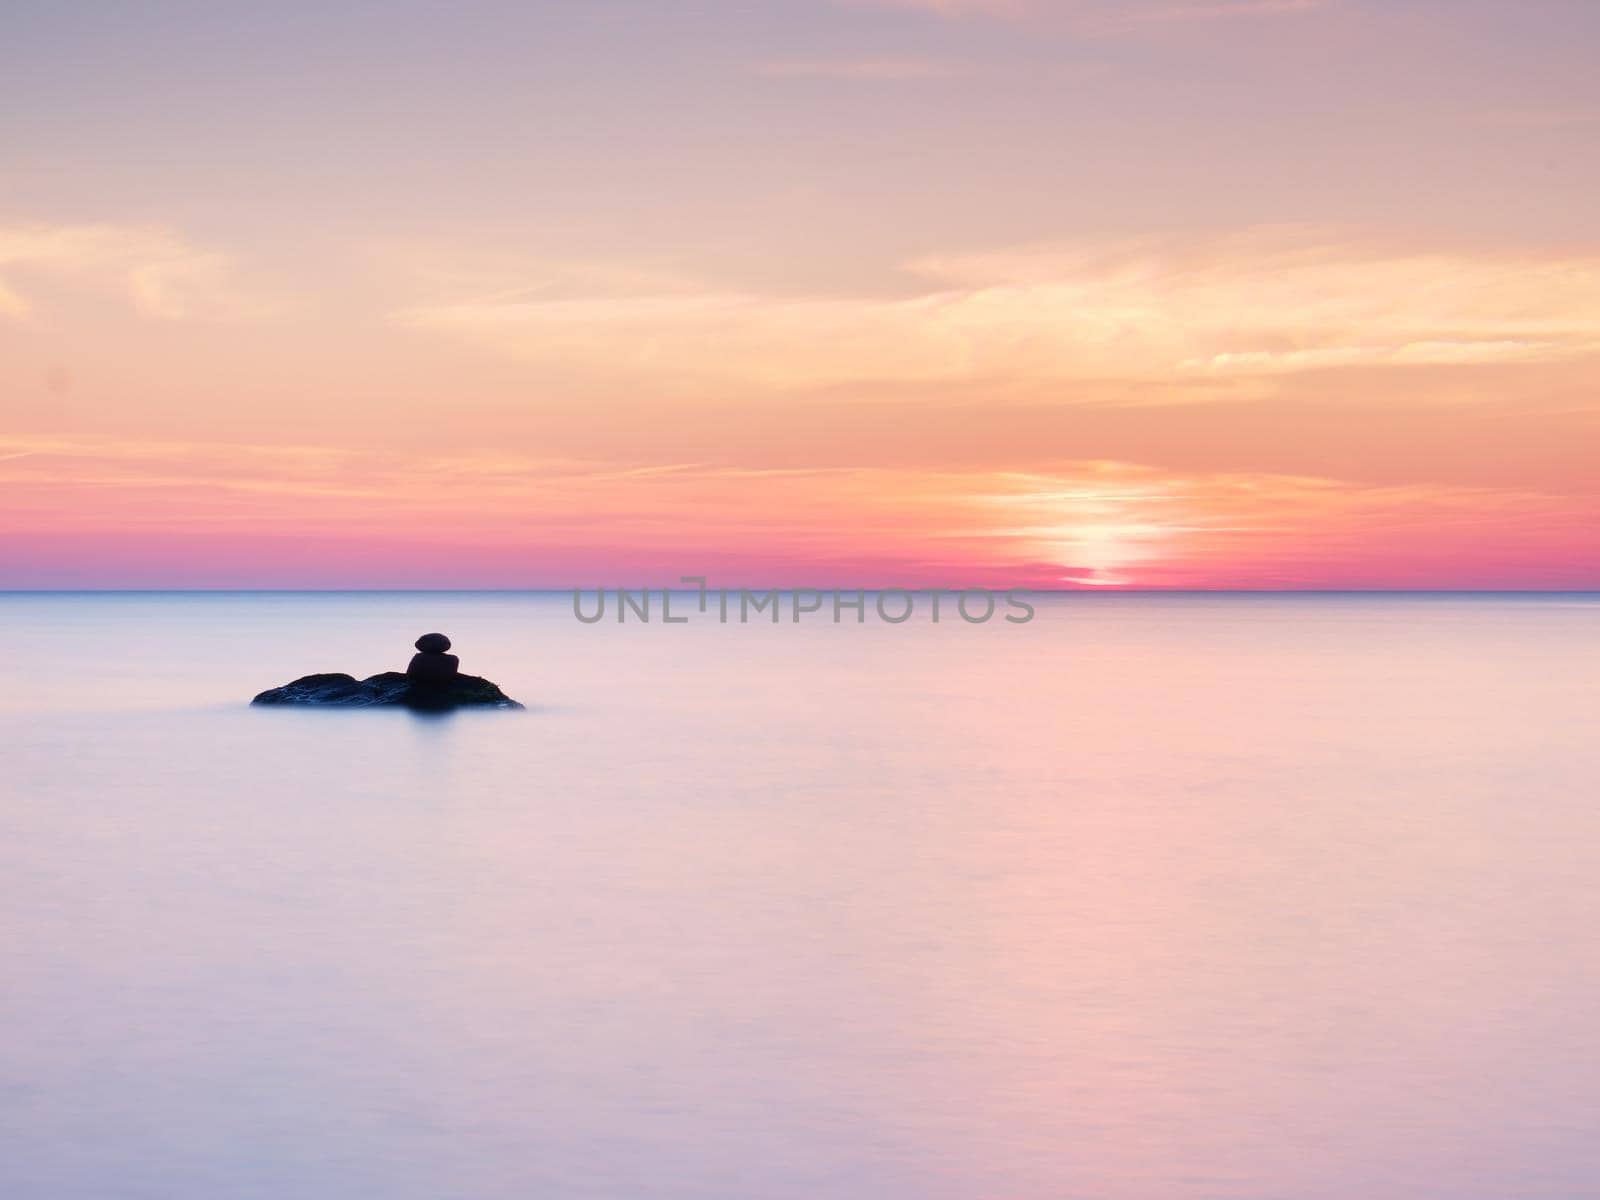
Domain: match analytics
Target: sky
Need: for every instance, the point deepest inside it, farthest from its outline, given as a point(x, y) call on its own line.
point(1032, 293)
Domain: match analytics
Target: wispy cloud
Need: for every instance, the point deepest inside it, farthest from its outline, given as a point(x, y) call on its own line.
point(1540, 118)
point(1104, 16)
point(158, 272)
point(1090, 523)
point(1261, 302)
point(948, 8)
point(1124, 524)
point(866, 69)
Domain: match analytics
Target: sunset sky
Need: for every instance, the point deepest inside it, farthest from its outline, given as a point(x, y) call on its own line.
point(1050, 293)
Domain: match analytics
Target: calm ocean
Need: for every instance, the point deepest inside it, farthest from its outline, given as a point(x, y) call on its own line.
point(1154, 898)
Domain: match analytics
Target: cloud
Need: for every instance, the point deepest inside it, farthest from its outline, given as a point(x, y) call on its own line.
point(864, 69)
point(1539, 118)
point(1090, 523)
point(1223, 9)
point(1157, 310)
point(1124, 524)
point(948, 8)
point(1102, 16)
point(157, 272)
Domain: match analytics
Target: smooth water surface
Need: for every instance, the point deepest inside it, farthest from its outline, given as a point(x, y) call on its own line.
point(1156, 898)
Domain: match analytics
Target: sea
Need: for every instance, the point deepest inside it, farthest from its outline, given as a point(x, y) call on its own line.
point(1152, 897)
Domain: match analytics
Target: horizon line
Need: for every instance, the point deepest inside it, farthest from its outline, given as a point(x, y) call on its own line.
point(557, 591)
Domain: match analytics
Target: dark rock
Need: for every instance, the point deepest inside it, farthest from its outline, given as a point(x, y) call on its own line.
point(432, 668)
point(431, 665)
point(390, 688)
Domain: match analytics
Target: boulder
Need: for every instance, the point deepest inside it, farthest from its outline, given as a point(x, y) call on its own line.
point(390, 688)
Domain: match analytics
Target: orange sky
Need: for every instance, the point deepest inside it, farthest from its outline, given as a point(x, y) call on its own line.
point(1251, 293)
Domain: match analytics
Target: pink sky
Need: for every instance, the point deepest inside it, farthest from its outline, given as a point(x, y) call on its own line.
point(1258, 293)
